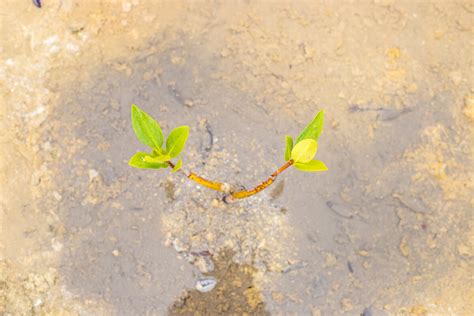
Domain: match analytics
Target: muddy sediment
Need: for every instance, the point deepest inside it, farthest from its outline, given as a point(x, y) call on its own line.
point(387, 230)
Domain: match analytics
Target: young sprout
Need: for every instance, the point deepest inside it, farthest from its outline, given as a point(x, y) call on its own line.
point(148, 131)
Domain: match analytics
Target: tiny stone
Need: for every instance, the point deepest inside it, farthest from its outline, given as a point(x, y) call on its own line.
point(57, 196)
point(215, 203)
point(92, 174)
point(38, 302)
point(210, 237)
point(179, 246)
point(226, 187)
point(47, 146)
point(116, 253)
point(206, 284)
point(56, 245)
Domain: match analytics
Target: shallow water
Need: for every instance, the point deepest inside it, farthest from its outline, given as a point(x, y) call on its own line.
point(387, 230)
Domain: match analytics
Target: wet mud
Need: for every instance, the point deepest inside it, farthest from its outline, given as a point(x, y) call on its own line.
point(387, 230)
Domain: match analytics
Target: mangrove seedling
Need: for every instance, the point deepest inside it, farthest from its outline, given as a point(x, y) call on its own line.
point(299, 154)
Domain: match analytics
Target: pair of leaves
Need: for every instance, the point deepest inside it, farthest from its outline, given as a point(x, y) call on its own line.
point(139, 160)
point(146, 161)
point(303, 154)
point(306, 147)
point(149, 132)
point(312, 131)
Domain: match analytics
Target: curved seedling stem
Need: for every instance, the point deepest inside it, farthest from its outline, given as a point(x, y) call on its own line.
point(223, 187)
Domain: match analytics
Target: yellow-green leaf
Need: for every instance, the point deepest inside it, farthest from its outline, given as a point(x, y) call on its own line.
point(304, 151)
point(289, 147)
point(138, 161)
point(158, 152)
point(177, 166)
point(148, 131)
point(176, 140)
point(314, 129)
point(157, 159)
point(311, 166)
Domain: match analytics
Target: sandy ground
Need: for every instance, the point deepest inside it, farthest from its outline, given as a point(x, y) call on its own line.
point(387, 230)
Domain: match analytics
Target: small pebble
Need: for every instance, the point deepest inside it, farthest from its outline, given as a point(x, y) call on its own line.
point(57, 196)
point(38, 302)
point(92, 174)
point(180, 246)
point(206, 284)
point(56, 245)
point(367, 312)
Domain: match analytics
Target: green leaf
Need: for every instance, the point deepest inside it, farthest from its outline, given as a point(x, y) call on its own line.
point(146, 128)
point(138, 161)
point(314, 129)
point(158, 152)
point(176, 140)
point(289, 147)
point(311, 166)
point(157, 159)
point(177, 166)
point(304, 151)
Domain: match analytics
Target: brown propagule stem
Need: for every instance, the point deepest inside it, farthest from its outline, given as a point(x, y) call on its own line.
point(232, 196)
